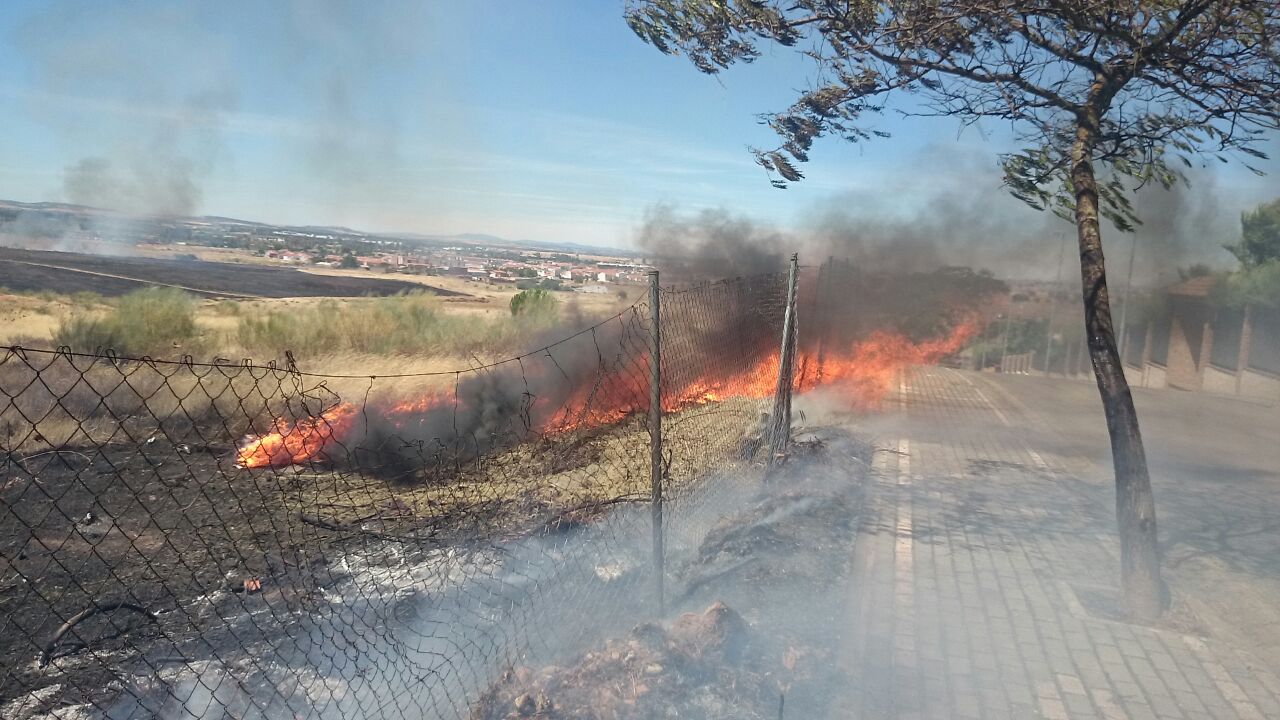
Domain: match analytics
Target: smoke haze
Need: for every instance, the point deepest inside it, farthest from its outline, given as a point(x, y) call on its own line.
point(149, 98)
point(962, 216)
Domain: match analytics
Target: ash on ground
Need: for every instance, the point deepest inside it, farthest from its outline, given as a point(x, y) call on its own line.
point(756, 609)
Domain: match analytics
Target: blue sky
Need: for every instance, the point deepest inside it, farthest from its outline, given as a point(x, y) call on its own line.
point(543, 120)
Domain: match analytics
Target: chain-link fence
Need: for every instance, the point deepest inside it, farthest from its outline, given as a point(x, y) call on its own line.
point(208, 540)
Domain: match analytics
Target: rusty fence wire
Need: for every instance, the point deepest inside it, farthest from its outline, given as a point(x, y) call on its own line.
point(206, 540)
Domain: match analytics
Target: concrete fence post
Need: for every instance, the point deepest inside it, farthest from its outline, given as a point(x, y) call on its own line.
point(1246, 340)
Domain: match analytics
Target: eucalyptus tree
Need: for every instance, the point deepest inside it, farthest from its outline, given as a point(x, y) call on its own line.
point(1103, 96)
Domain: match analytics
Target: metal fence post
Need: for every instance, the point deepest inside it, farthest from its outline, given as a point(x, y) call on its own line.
point(655, 438)
point(780, 436)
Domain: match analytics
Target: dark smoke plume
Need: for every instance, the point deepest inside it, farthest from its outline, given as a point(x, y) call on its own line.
point(712, 243)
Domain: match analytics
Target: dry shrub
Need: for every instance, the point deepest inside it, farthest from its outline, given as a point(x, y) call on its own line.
point(151, 321)
point(50, 400)
point(412, 323)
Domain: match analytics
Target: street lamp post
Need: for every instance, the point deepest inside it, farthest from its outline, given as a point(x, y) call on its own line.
point(1053, 304)
point(1124, 300)
point(1004, 349)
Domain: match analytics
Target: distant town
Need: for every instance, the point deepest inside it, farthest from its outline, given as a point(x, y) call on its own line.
point(522, 268)
point(485, 258)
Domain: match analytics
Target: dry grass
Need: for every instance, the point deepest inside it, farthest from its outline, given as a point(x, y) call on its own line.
point(413, 324)
point(570, 476)
point(31, 319)
point(153, 321)
point(55, 402)
point(462, 328)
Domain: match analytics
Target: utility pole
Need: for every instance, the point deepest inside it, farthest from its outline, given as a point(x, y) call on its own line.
point(1053, 305)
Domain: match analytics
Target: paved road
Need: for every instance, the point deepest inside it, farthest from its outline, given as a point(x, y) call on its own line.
point(985, 564)
point(1215, 465)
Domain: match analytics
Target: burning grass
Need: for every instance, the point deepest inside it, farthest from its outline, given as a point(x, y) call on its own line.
point(173, 523)
point(549, 405)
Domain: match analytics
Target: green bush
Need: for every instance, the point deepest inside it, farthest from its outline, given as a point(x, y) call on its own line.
point(154, 321)
point(1257, 285)
point(535, 302)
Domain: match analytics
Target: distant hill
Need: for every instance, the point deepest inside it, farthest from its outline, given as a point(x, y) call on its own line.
point(50, 219)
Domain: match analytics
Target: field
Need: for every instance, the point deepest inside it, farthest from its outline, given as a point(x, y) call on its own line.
point(58, 272)
point(247, 307)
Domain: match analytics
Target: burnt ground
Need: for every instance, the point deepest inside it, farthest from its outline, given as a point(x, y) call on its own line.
point(171, 526)
point(161, 526)
point(160, 518)
point(64, 272)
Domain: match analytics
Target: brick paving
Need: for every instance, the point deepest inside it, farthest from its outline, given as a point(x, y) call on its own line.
point(983, 571)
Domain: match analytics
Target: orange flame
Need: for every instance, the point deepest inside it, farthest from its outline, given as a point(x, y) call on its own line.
point(298, 442)
point(868, 370)
point(865, 371)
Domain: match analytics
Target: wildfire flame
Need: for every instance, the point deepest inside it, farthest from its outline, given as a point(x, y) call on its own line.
point(864, 372)
point(297, 442)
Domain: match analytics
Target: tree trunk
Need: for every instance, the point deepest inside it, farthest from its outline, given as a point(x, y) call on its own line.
point(1144, 596)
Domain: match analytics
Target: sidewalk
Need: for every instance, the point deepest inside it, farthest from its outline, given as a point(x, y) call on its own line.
point(984, 577)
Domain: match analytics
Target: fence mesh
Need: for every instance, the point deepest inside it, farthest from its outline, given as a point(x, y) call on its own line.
point(181, 539)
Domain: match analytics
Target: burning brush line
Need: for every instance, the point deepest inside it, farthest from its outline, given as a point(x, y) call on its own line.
point(863, 373)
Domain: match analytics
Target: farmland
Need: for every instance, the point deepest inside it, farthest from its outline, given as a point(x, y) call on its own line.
point(244, 306)
point(67, 273)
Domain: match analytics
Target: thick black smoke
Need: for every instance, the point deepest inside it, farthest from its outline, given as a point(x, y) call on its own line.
point(711, 243)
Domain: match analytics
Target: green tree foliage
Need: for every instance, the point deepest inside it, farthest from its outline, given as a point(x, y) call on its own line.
point(1259, 236)
point(1257, 282)
point(1021, 335)
point(536, 303)
point(154, 321)
point(349, 261)
point(1193, 77)
point(1258, 285)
